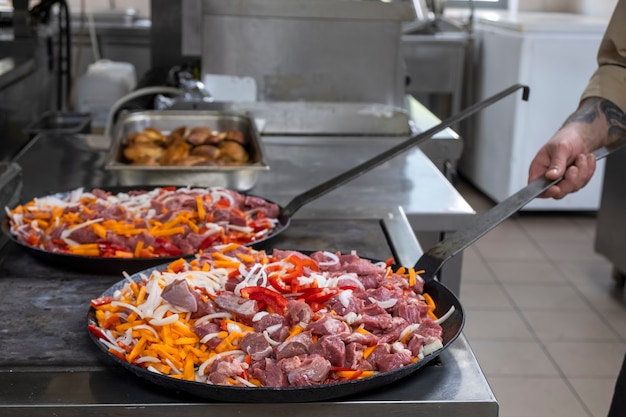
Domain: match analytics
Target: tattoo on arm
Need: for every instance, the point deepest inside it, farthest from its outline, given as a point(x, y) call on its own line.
point(586, 113)
point(616, 119)
point(594, 108)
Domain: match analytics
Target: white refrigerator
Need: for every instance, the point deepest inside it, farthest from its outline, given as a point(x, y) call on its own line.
point(554, 54)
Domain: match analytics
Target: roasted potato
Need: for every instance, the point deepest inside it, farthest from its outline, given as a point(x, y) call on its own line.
point(185, 147)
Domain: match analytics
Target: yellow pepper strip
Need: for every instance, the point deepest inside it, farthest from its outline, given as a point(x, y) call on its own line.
point(99, 230)
point(139, 347)
point(229, 247)
point(295, 330)
point(351, 374)
point(84, 246)
point(368, 351)
point(169, 232)
point(87, 249)
point(255, 381)
point(161, 367)
point(183, 330)
point(188, 369)
point(138, 249)
point(176, 265)
point(141, 296)
point(227, 264)
point(134, 288)
point(166, 335)
point(161, 352)
point(42, 224)
point(123, 254)
point(362, 331)
point(221, 257)
point(201, 211)
point(246, 258)
point(229, 342)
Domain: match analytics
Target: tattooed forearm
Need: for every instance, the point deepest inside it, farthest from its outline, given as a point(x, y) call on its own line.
point(588, 112)
point(603, 117)
point(616, 119)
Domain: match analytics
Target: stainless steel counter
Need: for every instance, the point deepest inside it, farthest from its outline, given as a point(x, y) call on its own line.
point(297, 163)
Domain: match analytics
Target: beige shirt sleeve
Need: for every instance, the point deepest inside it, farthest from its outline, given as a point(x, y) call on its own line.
point(609, 80)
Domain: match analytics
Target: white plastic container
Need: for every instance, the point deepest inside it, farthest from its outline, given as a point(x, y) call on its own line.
point(101, 86)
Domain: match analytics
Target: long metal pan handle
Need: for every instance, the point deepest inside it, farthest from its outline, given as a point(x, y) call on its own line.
point(433, 260)
point(300, 200)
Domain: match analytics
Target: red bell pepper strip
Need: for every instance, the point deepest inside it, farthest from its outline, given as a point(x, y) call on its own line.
point(278, 284)
point(320, 296)
point(96, 332)
point(164, 247)
point(264, 295)
point(97, 302)
point(209, 241)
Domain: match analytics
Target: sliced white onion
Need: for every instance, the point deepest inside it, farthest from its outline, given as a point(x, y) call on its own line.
point(164, 321)
point(208, 337)
point(209, 317)
point(386, 303)
point(344, 297)
point(65, 233)
point(147, 359)
point(244, 381)
point(258, 316)
point(352, 318)
point(269, 339)
point(146, 327)
point(208, 362)
point(243, 229)
point(333, 259)
point(432, 347)
point(408, 329)
point(128, 306)
point(445, 316)
point(273, 328)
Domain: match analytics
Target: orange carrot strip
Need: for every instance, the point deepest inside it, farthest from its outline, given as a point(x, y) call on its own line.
point(429, 300)
point(412, 277)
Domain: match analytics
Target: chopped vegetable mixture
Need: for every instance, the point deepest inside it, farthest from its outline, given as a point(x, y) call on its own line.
point(164, 221)
point(241, 317)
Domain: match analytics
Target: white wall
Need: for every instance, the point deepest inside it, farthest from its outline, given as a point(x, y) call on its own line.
point(596, 8)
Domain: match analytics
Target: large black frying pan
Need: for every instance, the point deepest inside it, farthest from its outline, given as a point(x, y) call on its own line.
point(443, 297)
point(117, 265)
point(431, 262)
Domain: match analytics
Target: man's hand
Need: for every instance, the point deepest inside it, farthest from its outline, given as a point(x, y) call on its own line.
point(597, 122)
point(564, 155)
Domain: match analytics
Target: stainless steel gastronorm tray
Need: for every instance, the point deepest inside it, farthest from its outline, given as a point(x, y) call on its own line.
point(240, 177)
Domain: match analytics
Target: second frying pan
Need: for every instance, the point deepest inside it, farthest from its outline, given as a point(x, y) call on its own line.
point(131, 265)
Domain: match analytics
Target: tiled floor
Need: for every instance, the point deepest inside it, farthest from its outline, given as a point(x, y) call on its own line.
point(544, 316)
